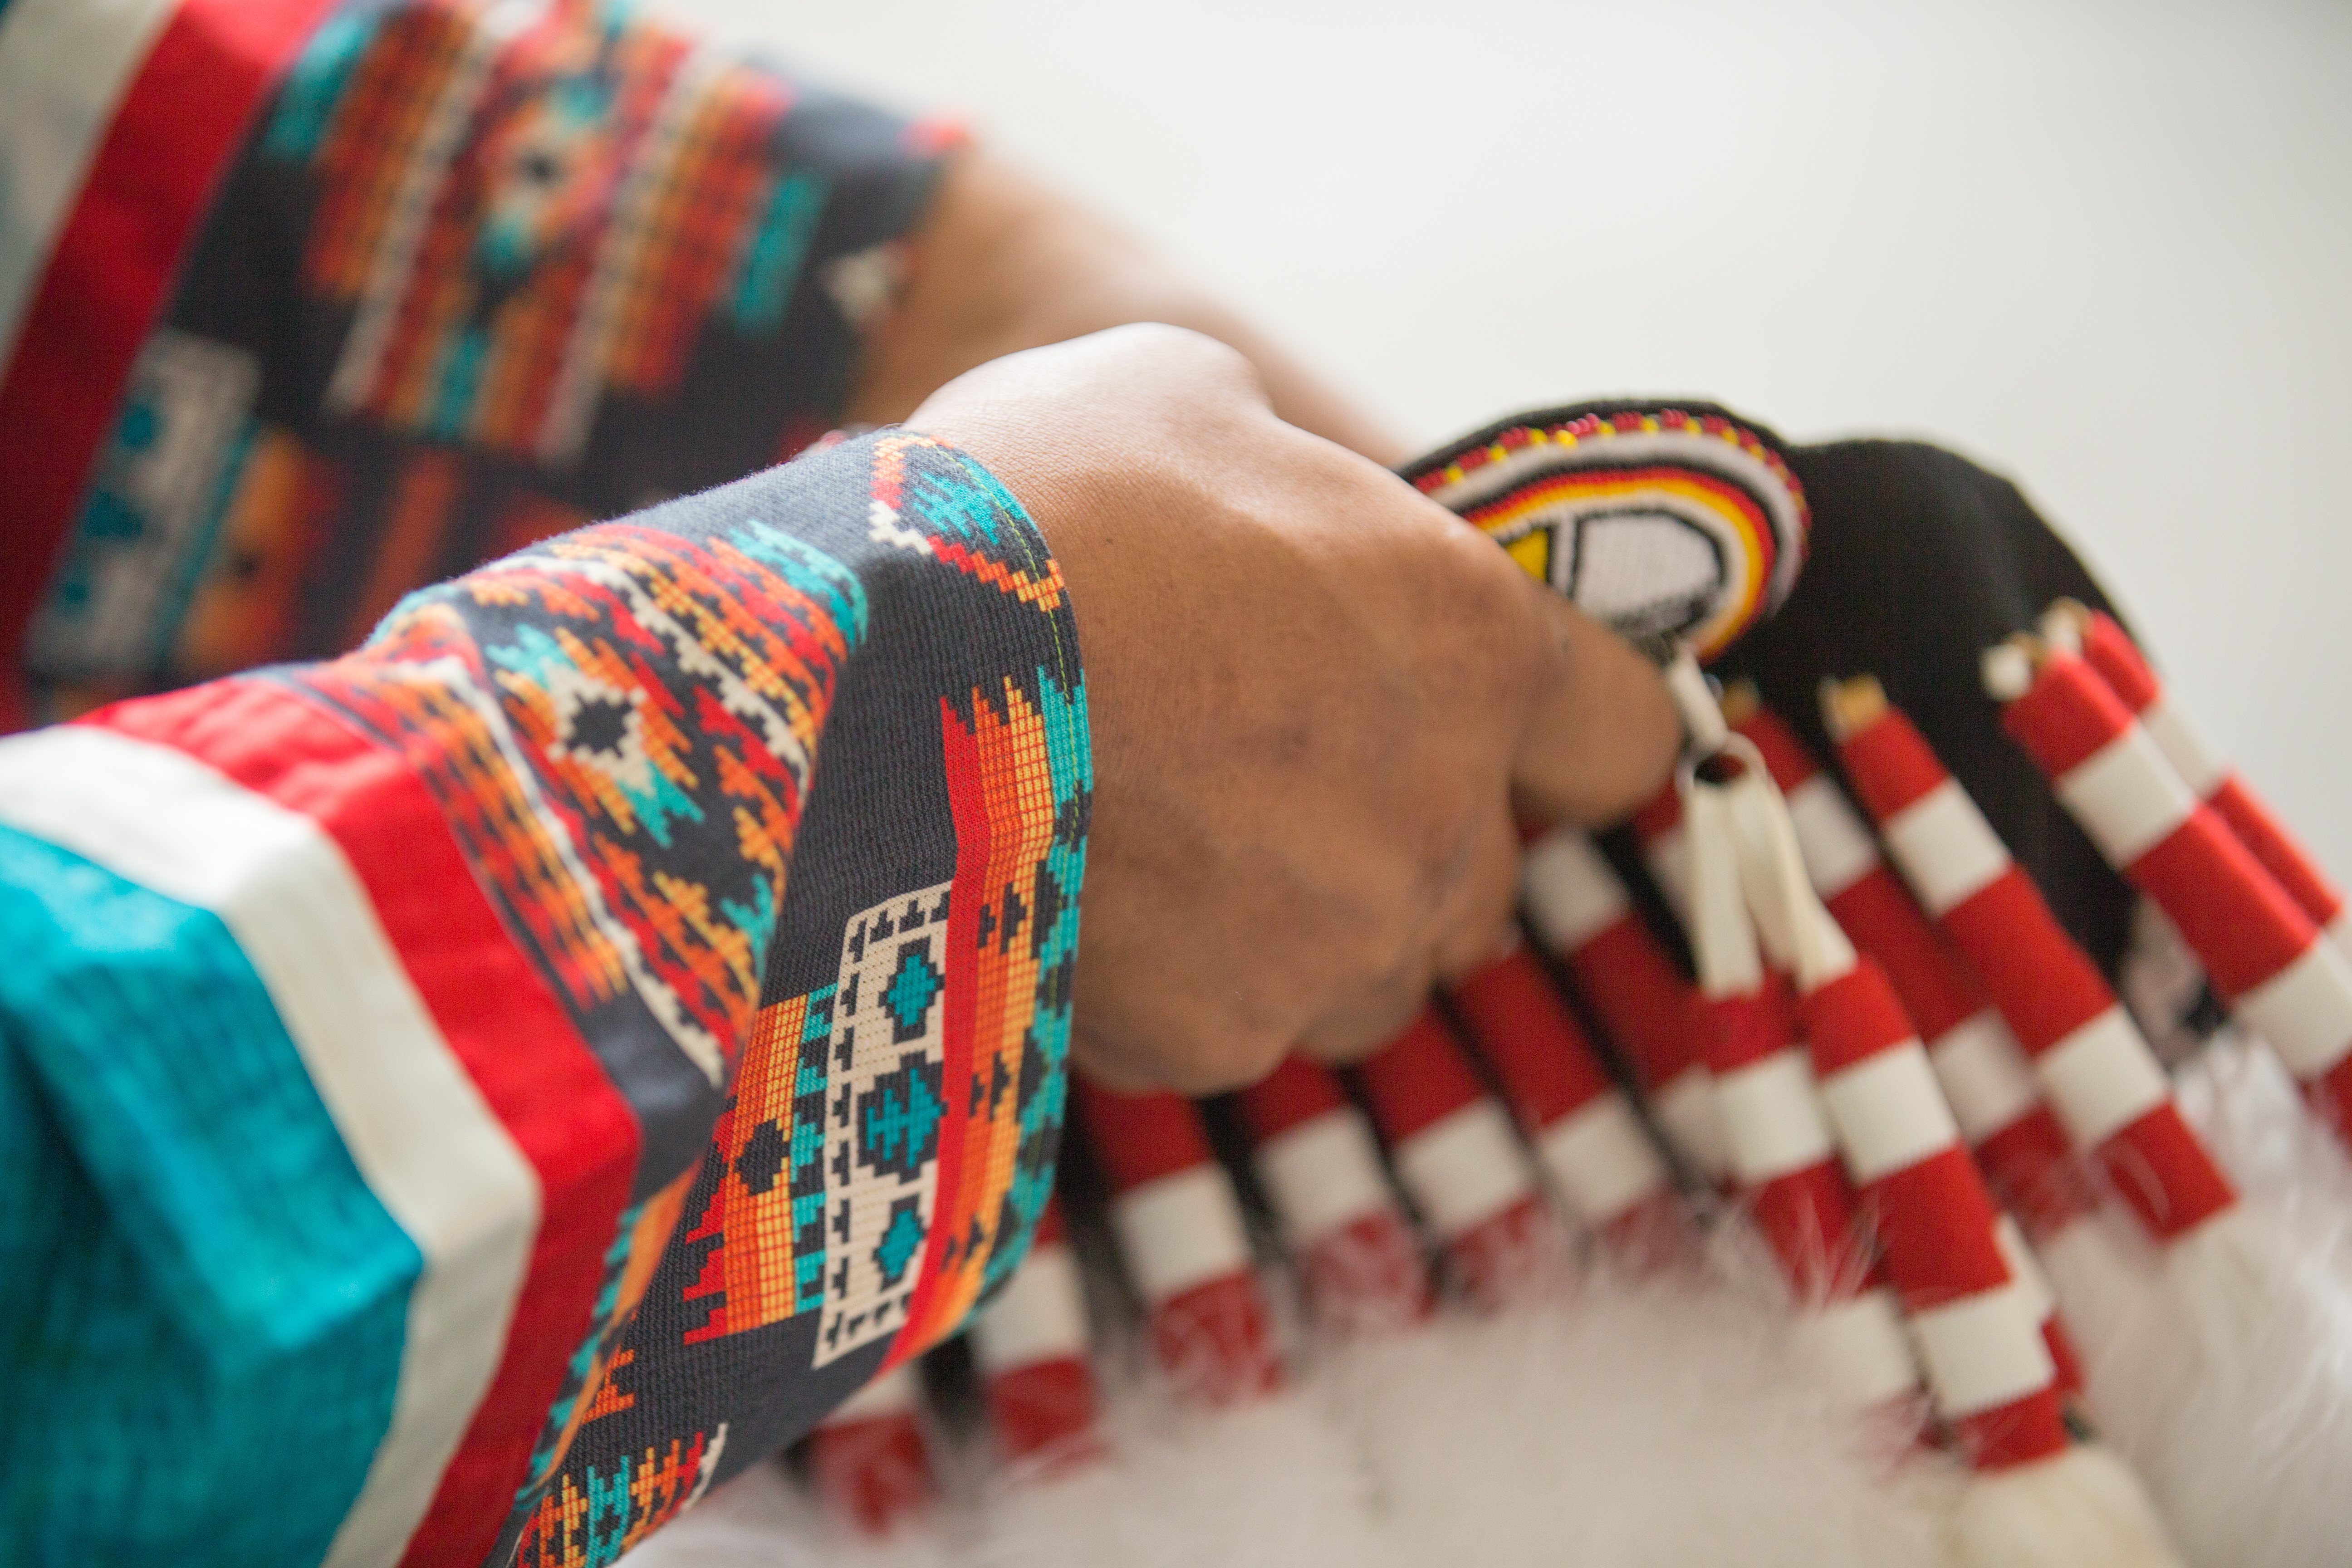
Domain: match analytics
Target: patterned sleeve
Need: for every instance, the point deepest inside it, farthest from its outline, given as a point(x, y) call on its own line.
point(305, 305)
point(467, 1097)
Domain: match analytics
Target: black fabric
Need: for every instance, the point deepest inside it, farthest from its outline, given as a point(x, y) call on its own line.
point(1919, 561)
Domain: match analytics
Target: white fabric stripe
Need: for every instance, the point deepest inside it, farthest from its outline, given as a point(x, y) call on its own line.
point(1693, 1122)
point(2304, 1010)
point(64, 67)
point(1772, 1118)
point(1464, 1169)
point(428, 1147)
point(1180, 1231)
point(2101, 1079)
point(1668, 858)
point(1323, 1174)
point(896, 1393)
point(2339, 930)
point(1981, 1353)
point(1838, 849)
point(1944, 848)
point(2025, 1275)
point(1860, 1349)
point(1714, 913)
point(1573, 893)
point(1039, 1316)
point(1889, 1112)
point(1987, 1080)
point(2200, 767)
point(2126, 797)
point(1602, 1158)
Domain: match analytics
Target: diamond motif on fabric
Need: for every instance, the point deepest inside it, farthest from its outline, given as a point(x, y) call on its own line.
point(884, 1106)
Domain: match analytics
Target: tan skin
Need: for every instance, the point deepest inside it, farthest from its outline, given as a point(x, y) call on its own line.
point(1316, 698)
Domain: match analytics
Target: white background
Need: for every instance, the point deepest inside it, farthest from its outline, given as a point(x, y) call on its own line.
point(2103, 248)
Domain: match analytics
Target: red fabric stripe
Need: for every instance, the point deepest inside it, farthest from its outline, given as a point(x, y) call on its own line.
point(1809, 1219)
point(1215, 1341)
point(1294, 1093)
point(2044, 985)
point(1785, 757)
point(501, 1022)
point(2331, 1098)
point(1935, 1227)
point(1497, 1260)
point(2032, 1172)
point(181, 118)
point(1367, 1276)
point(1529, 1036)
point(2233, 915)
point(1649, 1010)
point(1417, 1080)
point(873, 1473)
point(1890, 764)
point(1140, 1138)
point(2277, 850)
point(968, 806)
point(2158, 1167)
point(1743, 1030)
point(1661, 815)
point(2109, 651)
point(2032, 1428)
point(1046, 1408)
point(2067, 715)
point(1854, 1018)
point(1937, 989)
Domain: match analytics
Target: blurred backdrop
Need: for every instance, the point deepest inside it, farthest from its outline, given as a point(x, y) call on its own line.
point(2103, 248)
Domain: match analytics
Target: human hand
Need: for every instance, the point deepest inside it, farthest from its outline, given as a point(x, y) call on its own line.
point(1313, 695)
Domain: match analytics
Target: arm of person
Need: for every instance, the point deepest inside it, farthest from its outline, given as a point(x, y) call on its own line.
point(504, 1059)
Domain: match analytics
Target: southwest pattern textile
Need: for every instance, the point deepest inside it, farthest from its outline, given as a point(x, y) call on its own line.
point(303, 306)
point(422, 1063)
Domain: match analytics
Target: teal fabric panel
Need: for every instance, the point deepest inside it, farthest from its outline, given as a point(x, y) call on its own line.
point(205, 1305)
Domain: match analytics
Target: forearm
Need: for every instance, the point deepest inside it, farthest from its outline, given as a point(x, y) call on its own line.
point(1004, 264)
